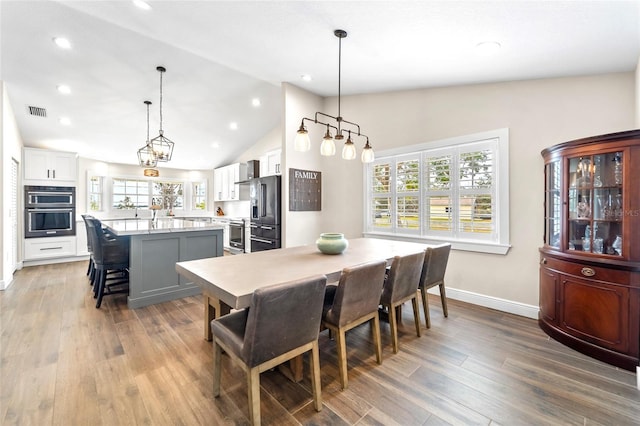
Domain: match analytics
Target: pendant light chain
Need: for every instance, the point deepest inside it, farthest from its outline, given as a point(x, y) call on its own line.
point(339, 75)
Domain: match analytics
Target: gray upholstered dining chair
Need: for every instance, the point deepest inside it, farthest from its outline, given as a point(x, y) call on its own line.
point(400, 286)
point(352, 302)
point(281, 323)
point(435, 265)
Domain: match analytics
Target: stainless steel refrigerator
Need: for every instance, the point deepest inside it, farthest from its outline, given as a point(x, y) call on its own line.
point(265, 205)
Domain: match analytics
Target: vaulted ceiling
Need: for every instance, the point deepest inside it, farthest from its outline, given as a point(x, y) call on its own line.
point(220, 55)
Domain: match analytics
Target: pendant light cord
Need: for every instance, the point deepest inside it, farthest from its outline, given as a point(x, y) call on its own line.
point(339, 72)
point(161, 101)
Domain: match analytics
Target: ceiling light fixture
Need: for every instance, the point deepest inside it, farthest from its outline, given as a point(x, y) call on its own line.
point(233, 125)
point(142, 4)
point(306, 77)
point(64, 89)
point(256, 102)
point(487, 48)
point(62, 42)
point(302, 142)
point(146, 155)
point(162, 146)
point(65, 121)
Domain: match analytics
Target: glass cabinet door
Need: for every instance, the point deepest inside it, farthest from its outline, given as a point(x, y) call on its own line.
point(552, 204)
point(596, 207)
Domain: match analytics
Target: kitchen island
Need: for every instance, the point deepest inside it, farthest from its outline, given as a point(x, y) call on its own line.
point(156, 247)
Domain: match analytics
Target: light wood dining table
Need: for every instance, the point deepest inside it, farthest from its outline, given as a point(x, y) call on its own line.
point(228, 282)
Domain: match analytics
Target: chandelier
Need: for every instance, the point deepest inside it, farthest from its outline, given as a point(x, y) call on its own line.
point(328, 147)
point(146, 155)
point(162, 146)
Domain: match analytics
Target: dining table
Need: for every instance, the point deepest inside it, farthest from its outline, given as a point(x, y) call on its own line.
point(228, 282)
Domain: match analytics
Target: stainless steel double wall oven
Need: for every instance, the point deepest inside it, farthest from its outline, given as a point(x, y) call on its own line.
point(50, 211)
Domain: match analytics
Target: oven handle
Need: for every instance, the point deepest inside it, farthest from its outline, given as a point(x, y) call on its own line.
point(260, 240)
point(48, 193)
point(63, 210)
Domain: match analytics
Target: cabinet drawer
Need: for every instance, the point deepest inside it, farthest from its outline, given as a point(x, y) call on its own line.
point(44, 248)
point(587, 271)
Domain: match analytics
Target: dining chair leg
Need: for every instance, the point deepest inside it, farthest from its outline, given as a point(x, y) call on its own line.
point(217, 365)
point(253, 385)
point(341, 347)
point(376, 337)
point(425, 306)
point(443, 298)
point(416, 313)
point(315, 376)
point(393, 325)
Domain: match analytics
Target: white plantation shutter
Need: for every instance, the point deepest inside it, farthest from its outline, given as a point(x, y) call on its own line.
point(454, 191)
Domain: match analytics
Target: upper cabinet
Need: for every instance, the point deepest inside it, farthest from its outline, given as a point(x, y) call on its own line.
point(42, 166)
point(225, 182)
point(270, 163)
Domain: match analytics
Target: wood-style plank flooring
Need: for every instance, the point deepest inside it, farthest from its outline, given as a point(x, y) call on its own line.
point(64, 362)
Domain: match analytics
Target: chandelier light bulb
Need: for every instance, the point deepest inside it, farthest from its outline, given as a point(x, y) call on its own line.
point(349, 150)
point(367, 153)
point(302, 142)
point(328, 146)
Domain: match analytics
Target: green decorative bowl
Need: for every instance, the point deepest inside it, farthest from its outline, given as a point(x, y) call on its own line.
point(332, 243)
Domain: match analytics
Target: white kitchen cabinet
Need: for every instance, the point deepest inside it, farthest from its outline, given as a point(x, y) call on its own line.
point(270, 163)
point(49, 247)
point(225, 232)
point(42, 166)
point(225, 181)
point(81, 239)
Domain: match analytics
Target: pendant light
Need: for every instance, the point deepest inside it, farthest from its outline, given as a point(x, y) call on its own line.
point(146, 155)
point(328, 147)
point(162, 146)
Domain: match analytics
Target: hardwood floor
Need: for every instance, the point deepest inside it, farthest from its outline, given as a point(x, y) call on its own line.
point(64, 362)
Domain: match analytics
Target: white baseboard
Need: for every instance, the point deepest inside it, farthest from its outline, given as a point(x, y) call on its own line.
point(503, 305)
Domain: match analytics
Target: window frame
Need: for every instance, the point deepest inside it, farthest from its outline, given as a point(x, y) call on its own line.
point(499, 241)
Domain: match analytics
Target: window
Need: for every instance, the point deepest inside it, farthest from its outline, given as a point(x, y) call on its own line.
point(454, 190)
point(130, 194)
point(95, 185)
point(199, 195)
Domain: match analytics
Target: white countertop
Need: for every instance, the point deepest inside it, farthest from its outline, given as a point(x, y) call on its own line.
point(123, 227)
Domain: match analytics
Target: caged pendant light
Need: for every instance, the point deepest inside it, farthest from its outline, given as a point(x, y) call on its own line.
point(328, 147)
point(146, 155)
point(162, 146)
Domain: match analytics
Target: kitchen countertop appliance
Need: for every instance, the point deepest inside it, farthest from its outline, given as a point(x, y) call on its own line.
point(265, 212)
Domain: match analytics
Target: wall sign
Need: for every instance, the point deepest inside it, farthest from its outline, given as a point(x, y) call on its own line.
point(305, 190)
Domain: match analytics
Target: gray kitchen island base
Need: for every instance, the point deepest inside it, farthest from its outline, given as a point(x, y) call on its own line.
point(152, 258)
point(156, 247)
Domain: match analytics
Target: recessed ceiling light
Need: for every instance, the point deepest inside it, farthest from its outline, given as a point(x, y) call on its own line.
point(142, 4)
point(256, 102)
point(64, 89)
point(62, 42)
point(488, 48)
point(65, 121)
point(233, 125)
point(215, 145)
point(305, 77)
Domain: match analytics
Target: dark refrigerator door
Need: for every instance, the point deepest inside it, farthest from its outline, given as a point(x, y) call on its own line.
point(264, 194)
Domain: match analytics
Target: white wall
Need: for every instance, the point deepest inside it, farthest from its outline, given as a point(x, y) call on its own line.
point(303, 227)
point(638, 94)
point(538, 113)
point(11, 143)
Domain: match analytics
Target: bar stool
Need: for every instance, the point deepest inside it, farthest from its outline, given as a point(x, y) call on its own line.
point(110, 254)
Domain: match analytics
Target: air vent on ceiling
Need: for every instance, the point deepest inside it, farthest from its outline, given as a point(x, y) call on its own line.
point(37, 111)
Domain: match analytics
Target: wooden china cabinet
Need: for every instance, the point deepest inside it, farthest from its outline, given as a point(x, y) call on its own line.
point(590, 260)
